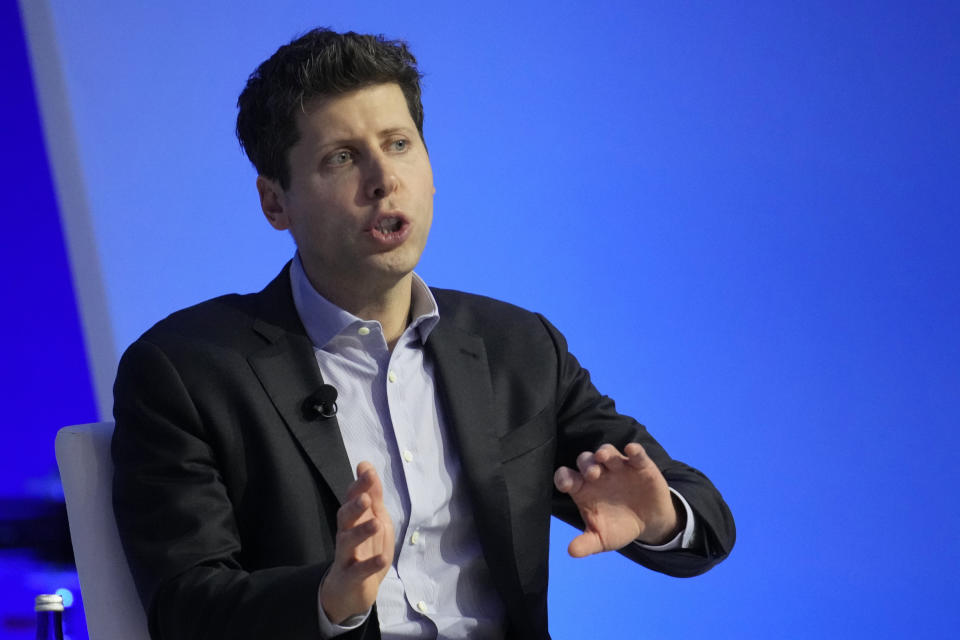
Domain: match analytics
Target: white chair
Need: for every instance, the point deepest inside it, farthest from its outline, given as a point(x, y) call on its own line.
point(110, 599)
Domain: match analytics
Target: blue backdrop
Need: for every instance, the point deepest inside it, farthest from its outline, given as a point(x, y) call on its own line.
point(744, 216)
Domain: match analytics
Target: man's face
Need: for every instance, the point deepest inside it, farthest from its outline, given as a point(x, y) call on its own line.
point(360, 200)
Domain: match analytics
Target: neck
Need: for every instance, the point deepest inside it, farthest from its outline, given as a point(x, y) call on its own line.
point(389, 304)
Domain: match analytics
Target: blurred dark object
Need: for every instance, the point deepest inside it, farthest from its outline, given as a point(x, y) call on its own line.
point(37, 525)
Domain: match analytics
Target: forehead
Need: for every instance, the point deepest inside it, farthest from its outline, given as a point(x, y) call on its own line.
point(364, 111)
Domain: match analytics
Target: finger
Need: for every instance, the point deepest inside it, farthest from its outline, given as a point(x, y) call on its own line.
point(636, 455)
point(588, 466)
point(375, 491)
point(368, 567)
point(363, 483)
point(566, 480)
point(382, 515)
point(587, 543)
point(369, 472)
point(352, 511)
point(348, 540)
point(610, 457)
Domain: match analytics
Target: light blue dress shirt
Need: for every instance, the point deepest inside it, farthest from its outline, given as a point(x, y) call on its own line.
point(439, 584)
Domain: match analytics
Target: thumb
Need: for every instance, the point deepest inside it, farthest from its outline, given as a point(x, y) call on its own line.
point(585, 544)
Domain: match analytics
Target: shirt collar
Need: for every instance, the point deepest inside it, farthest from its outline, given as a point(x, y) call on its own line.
point(324, 320)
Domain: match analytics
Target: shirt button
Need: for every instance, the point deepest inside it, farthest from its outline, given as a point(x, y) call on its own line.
point(392, 377)
point(364, 331)
point(408, 455)
point(415, 537)
point(422, 606)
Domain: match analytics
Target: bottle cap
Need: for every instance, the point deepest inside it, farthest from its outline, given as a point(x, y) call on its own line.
point(48, 602)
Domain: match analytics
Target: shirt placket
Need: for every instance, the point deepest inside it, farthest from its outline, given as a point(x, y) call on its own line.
point(417, 456)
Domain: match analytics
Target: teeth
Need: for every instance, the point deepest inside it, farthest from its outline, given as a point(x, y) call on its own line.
point(389, 225)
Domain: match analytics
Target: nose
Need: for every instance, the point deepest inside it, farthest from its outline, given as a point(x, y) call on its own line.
point(381, 178)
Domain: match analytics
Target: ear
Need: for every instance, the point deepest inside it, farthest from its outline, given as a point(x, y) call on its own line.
point(273, 203)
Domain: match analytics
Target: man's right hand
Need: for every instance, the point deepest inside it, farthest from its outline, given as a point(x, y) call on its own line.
point(364, 550)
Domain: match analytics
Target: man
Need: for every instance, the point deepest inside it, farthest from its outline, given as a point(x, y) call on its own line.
point(467, 421)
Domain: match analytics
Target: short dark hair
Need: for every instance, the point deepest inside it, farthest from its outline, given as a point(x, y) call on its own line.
point(319, 63)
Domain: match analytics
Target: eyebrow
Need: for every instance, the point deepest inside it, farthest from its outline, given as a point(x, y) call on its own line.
point(345, 139)
point(393, 130)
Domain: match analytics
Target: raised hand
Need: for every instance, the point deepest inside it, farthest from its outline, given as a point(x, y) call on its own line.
point(621, 498)
point(364, 549)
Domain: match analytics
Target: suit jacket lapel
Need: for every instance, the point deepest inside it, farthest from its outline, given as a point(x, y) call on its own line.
point(287, 369)
point(463, 384)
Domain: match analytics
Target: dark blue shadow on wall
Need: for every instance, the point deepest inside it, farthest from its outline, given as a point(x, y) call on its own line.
point(46, 381)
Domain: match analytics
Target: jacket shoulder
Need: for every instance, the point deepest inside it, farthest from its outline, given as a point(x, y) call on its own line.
point(212, 320)
point(227, 320)
point(511, 335)
point(481, 314)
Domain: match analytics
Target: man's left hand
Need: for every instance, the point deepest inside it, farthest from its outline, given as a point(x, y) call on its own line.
point(621, 498)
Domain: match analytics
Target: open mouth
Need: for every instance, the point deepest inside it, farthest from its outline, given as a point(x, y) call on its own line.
point(389, 224)
point(390, 228)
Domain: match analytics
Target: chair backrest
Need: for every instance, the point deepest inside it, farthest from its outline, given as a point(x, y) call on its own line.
point(110, 599)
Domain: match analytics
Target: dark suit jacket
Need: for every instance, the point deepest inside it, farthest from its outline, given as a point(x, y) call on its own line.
point(226, 491)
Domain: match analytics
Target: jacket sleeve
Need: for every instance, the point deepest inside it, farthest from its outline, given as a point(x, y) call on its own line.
point(178, 523)
point(585, 420)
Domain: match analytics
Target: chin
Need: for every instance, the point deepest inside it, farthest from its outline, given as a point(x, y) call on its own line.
point(399, 263)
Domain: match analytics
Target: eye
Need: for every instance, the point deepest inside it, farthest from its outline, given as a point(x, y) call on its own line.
point(339, 158)
point(401, 144)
